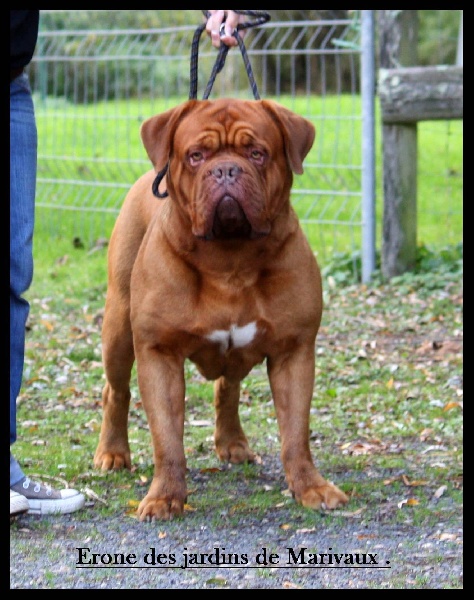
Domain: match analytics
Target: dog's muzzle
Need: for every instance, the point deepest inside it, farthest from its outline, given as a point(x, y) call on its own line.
point(230, 220)
point(230, 205)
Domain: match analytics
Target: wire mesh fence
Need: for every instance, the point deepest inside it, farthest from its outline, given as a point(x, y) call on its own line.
point(93, 87)
point(95, 79)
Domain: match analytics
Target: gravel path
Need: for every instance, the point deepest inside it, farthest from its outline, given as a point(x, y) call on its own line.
point(44, 553)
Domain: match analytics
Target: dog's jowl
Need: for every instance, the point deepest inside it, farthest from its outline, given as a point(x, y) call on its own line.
point(207, 262)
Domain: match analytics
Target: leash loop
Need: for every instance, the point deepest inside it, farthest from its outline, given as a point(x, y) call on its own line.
point(260, 17)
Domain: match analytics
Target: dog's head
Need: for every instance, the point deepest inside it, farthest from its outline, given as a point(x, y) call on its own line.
point(229, 162)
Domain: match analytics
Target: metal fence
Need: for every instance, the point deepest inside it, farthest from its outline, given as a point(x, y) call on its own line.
point(94, 83)
point(93, 88)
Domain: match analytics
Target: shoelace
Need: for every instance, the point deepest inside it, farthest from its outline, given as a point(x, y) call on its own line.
point(37, 488)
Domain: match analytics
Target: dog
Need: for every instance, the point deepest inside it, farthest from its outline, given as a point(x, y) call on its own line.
point(207, 261)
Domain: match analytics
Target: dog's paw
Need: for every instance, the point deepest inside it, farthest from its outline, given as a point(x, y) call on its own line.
point(109, 461)
point(159, 509)
point(327, 496)
point(235, 452)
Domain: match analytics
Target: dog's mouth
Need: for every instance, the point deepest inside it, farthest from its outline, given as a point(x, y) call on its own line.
point(230, 221)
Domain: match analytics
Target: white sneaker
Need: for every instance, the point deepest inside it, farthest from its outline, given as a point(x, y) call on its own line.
point(44, 500)
point(18, 504)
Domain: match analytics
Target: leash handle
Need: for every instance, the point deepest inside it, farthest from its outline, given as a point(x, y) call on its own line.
point(260, 17)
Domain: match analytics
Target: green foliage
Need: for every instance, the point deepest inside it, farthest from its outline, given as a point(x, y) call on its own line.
point(448, 259)
point(437, 36)
point(345, 268)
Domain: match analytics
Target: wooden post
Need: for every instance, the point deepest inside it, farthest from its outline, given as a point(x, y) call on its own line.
point(398, 35)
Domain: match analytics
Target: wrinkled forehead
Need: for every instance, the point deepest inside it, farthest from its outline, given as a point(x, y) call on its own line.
point(226, 124)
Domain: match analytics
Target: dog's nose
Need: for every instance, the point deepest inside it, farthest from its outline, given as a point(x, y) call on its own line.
point(226, 172)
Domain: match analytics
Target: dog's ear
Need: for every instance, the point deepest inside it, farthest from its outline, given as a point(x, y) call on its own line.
point(298, 133)
point(157, 133)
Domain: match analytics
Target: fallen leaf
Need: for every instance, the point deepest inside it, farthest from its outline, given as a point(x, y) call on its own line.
point(162, 534)
point(440, 348)
point(447, 537)
point(426, 433)
point(349, 514)
point(290, 584)
point(414, 482)
point(236, 507)
point(49, 326)
point(285, 526)
point(408, 502)
point(451, 405)
point(362, 448)
point(91, 494)
point(217, 580)
point(440, 491)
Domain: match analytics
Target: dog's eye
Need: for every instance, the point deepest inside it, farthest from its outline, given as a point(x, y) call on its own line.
point(196, 157)
point(257, 156)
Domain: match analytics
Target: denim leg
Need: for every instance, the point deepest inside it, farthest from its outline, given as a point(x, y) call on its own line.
point(23, 157)
point(16, 474)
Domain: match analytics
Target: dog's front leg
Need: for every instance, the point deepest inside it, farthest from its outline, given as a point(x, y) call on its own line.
point(292, 379)
point(162, 387)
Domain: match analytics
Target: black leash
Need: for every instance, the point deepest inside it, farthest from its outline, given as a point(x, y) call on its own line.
point(260, 17)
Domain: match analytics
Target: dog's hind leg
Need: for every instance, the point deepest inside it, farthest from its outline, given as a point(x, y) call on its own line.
point(230, 440)
point(113, 451)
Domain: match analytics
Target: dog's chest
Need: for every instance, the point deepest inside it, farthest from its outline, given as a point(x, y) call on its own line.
point(234, 337)
point(230, 351)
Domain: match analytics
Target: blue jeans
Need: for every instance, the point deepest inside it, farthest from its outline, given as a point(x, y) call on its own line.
point(23, 158)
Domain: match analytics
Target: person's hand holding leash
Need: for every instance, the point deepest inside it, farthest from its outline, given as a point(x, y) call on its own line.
point(221, 25)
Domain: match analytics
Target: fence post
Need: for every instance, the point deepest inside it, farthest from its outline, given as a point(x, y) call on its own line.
point(398, 39)
point(368, 143)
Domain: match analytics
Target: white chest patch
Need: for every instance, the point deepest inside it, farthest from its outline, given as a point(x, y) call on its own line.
point(235, 337)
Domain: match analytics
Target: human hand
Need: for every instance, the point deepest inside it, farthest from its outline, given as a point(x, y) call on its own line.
point(214, 22)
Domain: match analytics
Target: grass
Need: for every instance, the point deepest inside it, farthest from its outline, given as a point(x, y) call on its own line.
point(386, 421)
point(78, 143)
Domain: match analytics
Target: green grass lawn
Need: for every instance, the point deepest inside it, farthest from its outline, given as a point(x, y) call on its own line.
point(386, 422)
point(98, 147)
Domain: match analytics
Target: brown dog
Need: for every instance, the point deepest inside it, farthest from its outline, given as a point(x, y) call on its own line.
point(218, 272)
